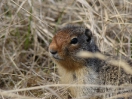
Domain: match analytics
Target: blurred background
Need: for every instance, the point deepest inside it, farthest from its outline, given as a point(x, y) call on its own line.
point(27, 28)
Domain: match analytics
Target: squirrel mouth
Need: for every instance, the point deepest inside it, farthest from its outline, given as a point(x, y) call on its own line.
point(57, 57)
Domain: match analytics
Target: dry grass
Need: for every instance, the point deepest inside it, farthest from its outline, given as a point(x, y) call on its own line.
point(26, 29)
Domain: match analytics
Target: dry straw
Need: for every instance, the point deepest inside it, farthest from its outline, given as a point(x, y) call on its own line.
point(26, 29)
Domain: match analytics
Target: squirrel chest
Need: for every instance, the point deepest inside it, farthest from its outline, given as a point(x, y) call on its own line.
point(78, 77)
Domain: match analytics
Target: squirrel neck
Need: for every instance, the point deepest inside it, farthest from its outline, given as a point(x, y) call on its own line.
point(94, 63)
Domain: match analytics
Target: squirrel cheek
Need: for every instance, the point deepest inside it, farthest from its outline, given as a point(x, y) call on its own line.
point(73, 48)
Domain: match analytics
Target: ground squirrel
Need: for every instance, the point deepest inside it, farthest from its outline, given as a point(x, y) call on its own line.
point(72, 39)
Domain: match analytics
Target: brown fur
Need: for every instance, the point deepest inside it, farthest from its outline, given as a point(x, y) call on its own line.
point(58, 43)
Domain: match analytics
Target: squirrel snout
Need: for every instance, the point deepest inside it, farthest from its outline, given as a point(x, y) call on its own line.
point(53, 49)
point(54, 54)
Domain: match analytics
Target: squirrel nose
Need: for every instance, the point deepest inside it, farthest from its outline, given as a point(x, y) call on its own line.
point(53, 52)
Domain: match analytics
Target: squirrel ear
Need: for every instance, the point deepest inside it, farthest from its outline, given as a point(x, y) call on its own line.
point(88, 33)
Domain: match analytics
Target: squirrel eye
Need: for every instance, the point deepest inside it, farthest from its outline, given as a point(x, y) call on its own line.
point(74, 41)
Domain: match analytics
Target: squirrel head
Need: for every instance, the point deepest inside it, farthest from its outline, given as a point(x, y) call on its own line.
point(67, 42)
